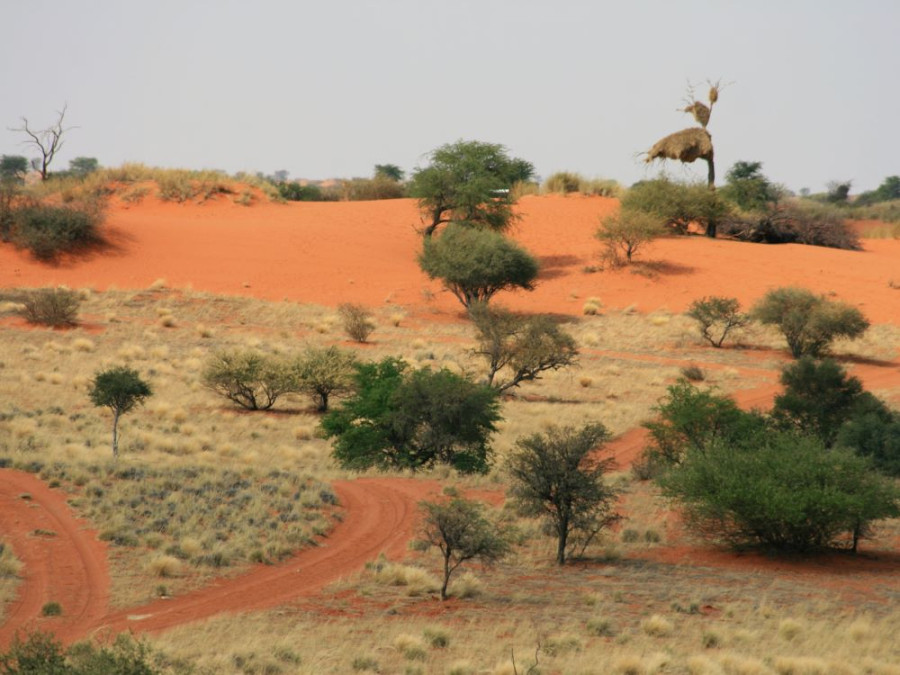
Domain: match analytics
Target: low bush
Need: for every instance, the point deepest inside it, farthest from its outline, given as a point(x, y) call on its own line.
point(794, 221)
point(251, 379)
point(370, 189)
point(51, 307)
point(325, 372)
point(627, 231)
point(48, 231)
point(809, 322)
point(358, 323)
point(295, 192)
point(716, 317)
point(678, 204)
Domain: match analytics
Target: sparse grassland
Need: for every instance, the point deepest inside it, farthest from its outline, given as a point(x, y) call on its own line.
point(202, 489)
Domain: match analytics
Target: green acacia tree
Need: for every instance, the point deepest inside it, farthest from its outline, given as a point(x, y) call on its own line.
point(558, 476)
point(462, 532)
point(468, 181)
point(120, 389)
point(475, 264)
point(748, 188)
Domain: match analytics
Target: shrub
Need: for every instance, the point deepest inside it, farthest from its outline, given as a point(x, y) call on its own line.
point(413, 420)
point(677, 204)
point(325, 372)
point(295, 192)
point(782, 491)
point(370, 189)
point(476, 264)
point(461, 531)
point(358, 323)
point(627, 231)
point(48, 231)
point(558, 476)
point(51, 609)
point(794, 221)
point(564, 182)
point(717, 317)
point(250, 379)
point(51, 307)
point(748, 188)
point(809, 322)
point(520, 347)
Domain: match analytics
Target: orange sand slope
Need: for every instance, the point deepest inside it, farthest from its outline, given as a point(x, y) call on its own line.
point(365, 252)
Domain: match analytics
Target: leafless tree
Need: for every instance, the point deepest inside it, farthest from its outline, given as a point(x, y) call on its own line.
point(48, 141)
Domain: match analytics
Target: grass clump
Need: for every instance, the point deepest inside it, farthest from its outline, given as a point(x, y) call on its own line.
point(358, 322)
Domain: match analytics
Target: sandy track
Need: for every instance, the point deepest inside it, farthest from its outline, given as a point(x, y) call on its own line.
point(70, 568)
point(63, 561)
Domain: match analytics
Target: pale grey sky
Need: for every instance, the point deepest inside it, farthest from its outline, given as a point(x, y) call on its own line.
point(330, 88)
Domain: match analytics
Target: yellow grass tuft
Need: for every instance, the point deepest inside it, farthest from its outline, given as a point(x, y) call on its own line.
point(657, 626)
point(164, 566)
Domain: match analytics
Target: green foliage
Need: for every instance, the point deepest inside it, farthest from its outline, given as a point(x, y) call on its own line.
point(889, 190)
point(389, 171)
point(520, 347)
point(838, 191)
point(82, 166)
point(818, 398)
point(295, 192)
point(748, 188)
point(468, 181)
point(809, 322)
point(677, 204)
point(371, 189)
point(873, 432)
point(47, 231)
point(716, 317)
point(475, 264)
point(250, 379)
point(324, 372)
point(413, 420)
point(691, 419)
point(627, 231)
point(462, 532)
point(558, 476)
point(51, 609)
point(358, 323)
point(42, 654)
point(781, 490)
point(120, 389)
point(51, 307)
point(13, 168)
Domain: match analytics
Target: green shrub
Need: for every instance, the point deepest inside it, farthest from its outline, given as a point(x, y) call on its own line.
point(809, 322)
point(678, 204)
point(48, 231)
point(413, 420)
point(717, 317)
point(781, 490)
point(324, 372)
point(295, 192)
point(51, 307)
point(250, 379)
point(51, 609)
point(475, 264)
point(370, 189)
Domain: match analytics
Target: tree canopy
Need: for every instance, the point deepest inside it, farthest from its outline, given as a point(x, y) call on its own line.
point(468, 181)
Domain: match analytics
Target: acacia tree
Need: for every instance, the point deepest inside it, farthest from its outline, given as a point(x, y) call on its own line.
point(475, 264)
point(520, 347)
point(120, 389)
point(48, 141)
point(461, 531)
point(468, 181)
point(323, 372)
point(559, 476)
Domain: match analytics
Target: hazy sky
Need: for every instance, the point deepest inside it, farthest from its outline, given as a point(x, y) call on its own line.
point(330, 88)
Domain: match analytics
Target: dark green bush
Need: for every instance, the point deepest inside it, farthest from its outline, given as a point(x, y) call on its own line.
point(41, 654)
point(295, 192)
point(48, 231)
point(51, 307)
point(413, 420)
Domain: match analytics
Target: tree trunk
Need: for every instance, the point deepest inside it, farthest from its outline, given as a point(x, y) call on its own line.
point(115, 440)
point(563, 532)
point(446, 576)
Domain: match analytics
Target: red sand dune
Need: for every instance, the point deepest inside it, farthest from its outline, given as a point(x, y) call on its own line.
point(365, 252)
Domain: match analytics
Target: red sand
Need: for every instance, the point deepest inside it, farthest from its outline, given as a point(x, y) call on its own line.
point(327, 253)
point(365, 252)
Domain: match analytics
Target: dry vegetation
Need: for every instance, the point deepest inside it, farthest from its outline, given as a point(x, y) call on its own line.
point(262, 479)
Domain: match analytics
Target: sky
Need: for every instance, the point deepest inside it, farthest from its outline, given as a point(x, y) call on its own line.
point(330, 88)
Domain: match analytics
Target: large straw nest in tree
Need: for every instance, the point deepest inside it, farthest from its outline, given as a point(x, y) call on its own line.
point(700, 113)
point(685, 146)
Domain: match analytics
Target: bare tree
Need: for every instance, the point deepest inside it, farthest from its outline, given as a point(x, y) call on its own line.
point(48, 141)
